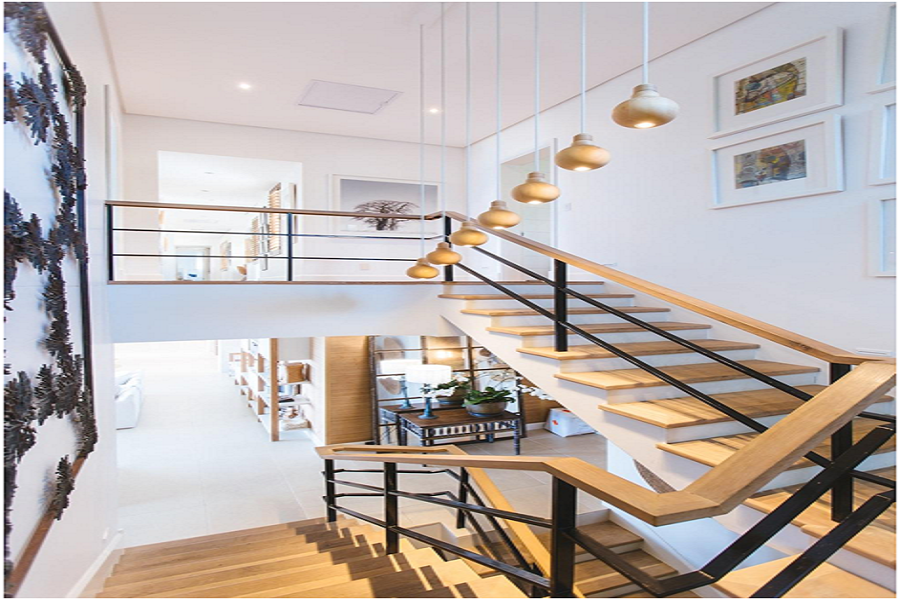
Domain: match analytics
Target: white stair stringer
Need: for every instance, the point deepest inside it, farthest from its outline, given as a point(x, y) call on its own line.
point(639, 440)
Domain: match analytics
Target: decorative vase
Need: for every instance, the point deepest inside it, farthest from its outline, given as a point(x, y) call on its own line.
point(456, 399)
point(487, 409)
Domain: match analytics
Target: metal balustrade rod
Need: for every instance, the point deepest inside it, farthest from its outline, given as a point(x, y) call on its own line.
point(290, 247)
point(448, 229)
point(330, 491)
point(463, 495)
point(562, 547)
point(110, 245)
point(560, 306)
point(841, 441)
point(391, 512)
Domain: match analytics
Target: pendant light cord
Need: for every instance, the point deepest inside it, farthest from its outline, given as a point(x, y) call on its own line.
point(443, 119)
point(468, 110)
point(537, 88)
point(499, 126)
point(422, 140)
point(583, 113)
point(646, 66)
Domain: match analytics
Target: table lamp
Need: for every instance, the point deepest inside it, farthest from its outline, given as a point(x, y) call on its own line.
point(400, 365)
point(428, 376)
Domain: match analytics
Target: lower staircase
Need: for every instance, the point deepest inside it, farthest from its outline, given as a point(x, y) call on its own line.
point(306, 559)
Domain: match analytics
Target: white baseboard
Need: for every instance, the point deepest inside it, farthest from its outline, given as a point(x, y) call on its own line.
point(91, 583)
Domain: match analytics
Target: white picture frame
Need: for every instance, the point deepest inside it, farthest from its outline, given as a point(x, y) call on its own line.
point(883, 143)
point(773, 158)
point(884, 65)
point(882, 237)
point(821, 63)
point(348, 192)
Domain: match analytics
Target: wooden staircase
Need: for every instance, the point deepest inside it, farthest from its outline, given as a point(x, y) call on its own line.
point(306, 559)
point(629, 395)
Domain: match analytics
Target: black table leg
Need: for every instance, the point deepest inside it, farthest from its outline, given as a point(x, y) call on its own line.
point(517, 443)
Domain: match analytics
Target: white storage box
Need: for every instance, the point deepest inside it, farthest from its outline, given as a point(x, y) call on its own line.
point(563, 423)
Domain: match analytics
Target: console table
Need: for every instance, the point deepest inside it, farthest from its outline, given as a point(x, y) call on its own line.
point(457, 422)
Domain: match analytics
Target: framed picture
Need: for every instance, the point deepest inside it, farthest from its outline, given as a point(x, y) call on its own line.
point(384, 196)
point(800, 80)
point(803, 160)
point(883, 238)
point(884, 76)
point(883, 143)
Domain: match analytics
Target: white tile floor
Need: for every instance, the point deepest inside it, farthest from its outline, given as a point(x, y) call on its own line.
point(199, 462)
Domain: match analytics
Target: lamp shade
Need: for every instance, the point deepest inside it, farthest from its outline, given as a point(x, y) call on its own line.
point(443, 255)
point(398, 366)
point(499, 216)
point(535, 190)
point(645, 109)
point(429, 374)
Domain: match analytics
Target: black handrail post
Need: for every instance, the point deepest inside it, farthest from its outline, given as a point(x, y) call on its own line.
point(562, 547)
point(841, 441)
point(290, 247)
point(391, 513)
point(448, 229)
point(560, 305)
point(110, 244)
point(330, 498)
point(463, 495)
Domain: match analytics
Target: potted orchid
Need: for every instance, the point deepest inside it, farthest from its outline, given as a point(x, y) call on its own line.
point(453, 392)
point(487, 402)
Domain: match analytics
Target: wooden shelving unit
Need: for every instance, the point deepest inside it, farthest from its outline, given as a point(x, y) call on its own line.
point(256, 373)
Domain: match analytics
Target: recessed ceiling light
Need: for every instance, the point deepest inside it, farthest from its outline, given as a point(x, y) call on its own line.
point(208, 172)
point(245, 86)
point(435, 110)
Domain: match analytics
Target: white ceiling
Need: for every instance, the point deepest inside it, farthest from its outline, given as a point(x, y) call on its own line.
point(186, 59)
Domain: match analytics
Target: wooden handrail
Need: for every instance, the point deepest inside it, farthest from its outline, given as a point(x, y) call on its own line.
point(780, 335)
point(263, 209)
point(715, 493)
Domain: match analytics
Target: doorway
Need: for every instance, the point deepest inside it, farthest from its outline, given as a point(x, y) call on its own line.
point(538, 220)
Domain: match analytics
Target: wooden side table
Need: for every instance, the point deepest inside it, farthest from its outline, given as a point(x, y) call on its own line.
point(457, 422)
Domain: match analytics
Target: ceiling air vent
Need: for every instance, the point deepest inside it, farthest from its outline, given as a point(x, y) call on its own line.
point(341, 96)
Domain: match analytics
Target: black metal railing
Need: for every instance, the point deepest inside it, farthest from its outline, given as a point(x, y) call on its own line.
point(566, 537)
point(288, 255)
point(842, 440)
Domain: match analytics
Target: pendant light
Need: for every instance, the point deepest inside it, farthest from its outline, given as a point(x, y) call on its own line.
point(646, 108)
point(443, 254)
point(422, 270)
point(583, 154)
point(536, 189)
point(498, 216)
point(468, 234)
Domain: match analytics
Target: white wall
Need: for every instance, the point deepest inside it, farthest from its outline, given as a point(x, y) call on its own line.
point(87, 531)
point(798, 263)
point(323, 157)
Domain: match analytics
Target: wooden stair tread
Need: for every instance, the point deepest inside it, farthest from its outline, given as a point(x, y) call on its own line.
point(714, 451)
point(527, 312)
point(492, 587)
point(411, 583)
point(827, 581)
point(594, 576)
point(523, 282)
point(606, 532)
point(687, 411)
point(623, 379)
point(250, 553)
point(876, 542)
point(590, 351)
point(183, 574)
point(233, 538)
point(526, 296)
point(289, 582)
point(529, 330)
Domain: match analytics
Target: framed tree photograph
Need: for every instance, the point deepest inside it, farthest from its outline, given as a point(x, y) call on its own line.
point(884, 65)
point(800, 80)
point(383, 197)
point(883, 143)
point(801, 160)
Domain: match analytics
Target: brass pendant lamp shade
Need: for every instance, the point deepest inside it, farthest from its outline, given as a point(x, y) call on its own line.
point(468, 235)
point(443, 255)
point(645, 109)
point(422, 270)
point(535, 190)
point(582, 155)
point(499, 216)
